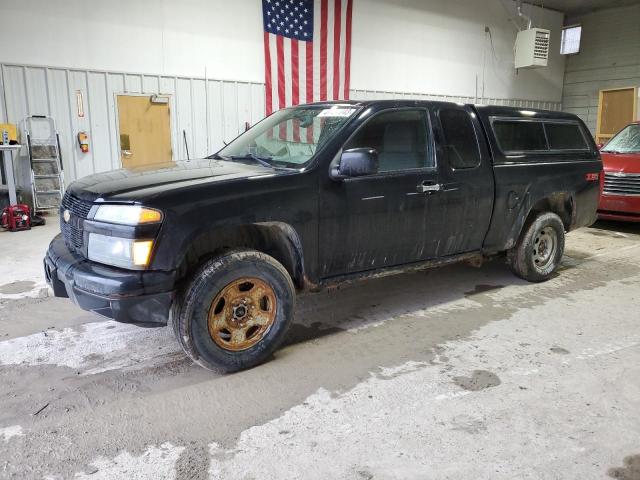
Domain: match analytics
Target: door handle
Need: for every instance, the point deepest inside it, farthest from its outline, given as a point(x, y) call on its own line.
point(127, 153)
point(429, 187)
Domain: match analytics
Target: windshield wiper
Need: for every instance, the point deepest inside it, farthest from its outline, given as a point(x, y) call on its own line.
point(250, 156)
point(261, 160)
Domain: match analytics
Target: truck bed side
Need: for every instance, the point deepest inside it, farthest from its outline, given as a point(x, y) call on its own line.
point(564, 181)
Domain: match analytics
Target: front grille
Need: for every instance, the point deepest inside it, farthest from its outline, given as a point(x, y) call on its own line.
point(72, 230)
point(622, 183)
point(77, 207)
point(72, 235)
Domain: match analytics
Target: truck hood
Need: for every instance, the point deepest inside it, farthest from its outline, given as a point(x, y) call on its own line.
point(119, 185)
point(621, 162)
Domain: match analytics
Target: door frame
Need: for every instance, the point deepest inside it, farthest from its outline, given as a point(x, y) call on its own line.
point(608, 136)
point(381, 176)
point(149, 95)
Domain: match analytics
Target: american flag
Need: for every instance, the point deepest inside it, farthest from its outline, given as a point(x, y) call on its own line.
point(307, 51)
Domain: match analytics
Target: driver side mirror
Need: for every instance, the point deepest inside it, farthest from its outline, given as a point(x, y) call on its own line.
point(356, 163)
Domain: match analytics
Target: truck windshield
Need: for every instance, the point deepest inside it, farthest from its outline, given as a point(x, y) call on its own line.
point(289, 137)
point(627, 141)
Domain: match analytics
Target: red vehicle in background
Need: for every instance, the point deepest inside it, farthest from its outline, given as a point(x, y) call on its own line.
point(620, 197)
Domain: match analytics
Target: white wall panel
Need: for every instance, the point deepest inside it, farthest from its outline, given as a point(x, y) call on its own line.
point(168, 87)
point(148, 36)
point(257, 102)
point(17, 106)
point(115, 85)
point(244, 105)
point(216, 113)
point(133, 83)
point(15, 93)
point(100, 121)
point(230, 114)
point(36, 88)
point(184, 117)
point(150, 84)
point(61, 111)
point(441, 46)
point(3, 108)
point(198, 147)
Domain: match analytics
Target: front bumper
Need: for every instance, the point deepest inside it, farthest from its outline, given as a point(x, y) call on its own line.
point(619, 207)
point(142, 297)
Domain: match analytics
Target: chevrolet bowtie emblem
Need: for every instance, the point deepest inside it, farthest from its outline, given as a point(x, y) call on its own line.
point(66, 216)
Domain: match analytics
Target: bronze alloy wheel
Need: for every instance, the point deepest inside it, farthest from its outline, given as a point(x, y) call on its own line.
point(235, 310)
point(242, 314)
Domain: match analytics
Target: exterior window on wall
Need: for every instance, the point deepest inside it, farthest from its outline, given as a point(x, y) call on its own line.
point(570, 42)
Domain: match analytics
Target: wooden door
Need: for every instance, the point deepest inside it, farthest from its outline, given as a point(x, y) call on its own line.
point(145, 131)
point(616, 109)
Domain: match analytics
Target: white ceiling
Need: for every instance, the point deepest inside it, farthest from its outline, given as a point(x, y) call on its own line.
point(572, 7)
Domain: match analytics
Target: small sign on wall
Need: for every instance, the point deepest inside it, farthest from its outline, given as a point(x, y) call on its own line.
point(79, 103)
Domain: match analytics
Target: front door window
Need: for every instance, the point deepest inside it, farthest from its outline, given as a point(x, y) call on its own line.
point(399, 137)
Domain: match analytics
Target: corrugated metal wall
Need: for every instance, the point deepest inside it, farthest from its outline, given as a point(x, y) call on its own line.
point(209, 111)
point(609, 58)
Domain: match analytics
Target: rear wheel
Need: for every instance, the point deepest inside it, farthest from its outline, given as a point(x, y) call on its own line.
point(539, 250)
point(235, 312)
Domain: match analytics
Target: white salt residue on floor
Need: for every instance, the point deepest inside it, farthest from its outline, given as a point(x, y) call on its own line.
point(33, 286)
point(154, 464)
point(21, 269)
point(412, 421)
point(91, 348)
point(7, 433)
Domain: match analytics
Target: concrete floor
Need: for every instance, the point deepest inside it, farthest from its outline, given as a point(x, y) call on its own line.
point(457, 373)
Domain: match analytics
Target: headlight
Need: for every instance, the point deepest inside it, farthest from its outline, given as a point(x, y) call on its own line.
point(127, 214)
point(120, 252)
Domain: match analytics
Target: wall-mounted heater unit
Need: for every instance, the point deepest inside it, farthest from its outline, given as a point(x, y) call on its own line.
point(532, 48)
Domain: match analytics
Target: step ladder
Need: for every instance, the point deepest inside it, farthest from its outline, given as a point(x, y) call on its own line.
point(47, 177)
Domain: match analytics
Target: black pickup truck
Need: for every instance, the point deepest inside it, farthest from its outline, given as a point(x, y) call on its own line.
point(313, 196)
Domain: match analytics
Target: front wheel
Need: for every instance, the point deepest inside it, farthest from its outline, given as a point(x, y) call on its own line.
point(235, 312)
point(539, 250)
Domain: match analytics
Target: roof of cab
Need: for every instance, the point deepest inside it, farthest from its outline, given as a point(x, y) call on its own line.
point(488, 110)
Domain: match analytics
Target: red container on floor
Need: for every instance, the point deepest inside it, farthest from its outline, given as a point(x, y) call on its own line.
point(16, 217)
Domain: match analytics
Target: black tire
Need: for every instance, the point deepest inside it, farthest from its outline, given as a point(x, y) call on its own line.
point(526, 259)
point(190, 313)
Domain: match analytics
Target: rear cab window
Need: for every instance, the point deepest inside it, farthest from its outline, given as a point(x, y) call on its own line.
point(460, 140)
point(519, 136)
point(565, 136)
